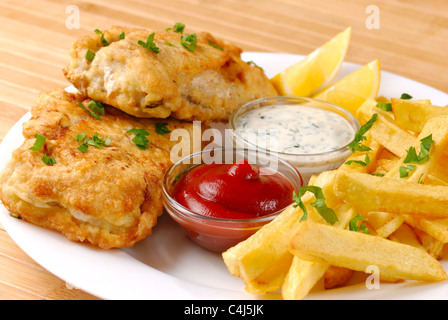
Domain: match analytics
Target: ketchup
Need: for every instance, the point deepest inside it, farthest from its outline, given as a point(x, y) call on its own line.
point(233, 191)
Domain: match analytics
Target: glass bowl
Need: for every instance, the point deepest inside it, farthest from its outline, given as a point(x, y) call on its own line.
point(218, 234)
point(307, 163)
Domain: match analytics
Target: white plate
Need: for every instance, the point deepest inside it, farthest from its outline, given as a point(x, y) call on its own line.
point(167, 265)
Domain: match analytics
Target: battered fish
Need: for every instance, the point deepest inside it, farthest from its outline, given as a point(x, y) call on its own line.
point(92, 179)
point(203, 79)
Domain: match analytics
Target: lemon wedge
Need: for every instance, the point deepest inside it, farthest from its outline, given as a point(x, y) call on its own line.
point(354, 89)
point(316, 70)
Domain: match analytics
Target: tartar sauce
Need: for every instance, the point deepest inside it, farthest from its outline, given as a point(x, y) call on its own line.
point(295, 130)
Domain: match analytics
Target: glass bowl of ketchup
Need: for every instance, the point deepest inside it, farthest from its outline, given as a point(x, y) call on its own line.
point(222, 196)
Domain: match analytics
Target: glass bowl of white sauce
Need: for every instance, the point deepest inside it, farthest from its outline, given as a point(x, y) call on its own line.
point(311, 134)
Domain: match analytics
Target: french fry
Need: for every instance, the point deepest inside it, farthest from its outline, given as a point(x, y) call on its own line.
point(303, 276)
point(384, 223)
point(256, 259)
point(407, 235)
point(439, 171)
point(336, 276)
point(365, 111)
point(376, 149)
point(413, 115)
point(407, 214)
point(272, 278)
point(439, 131)
point(263, 250)
point(438, 229)
point(392, 137)
point(433, 246)
point(357, 251)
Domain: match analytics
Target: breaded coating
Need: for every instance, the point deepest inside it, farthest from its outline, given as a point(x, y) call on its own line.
point(207, 84)
point(109, 194)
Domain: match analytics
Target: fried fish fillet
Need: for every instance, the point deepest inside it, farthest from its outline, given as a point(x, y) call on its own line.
point(206, 84)
point(109, 194)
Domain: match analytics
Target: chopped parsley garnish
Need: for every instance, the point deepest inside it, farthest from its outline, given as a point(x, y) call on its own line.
point(149, 44)
point(327, 213)
point(189, 42)
point(121, 36)
point(170, 44)
point(405, 96)
point(161, 128)
point(80, 136)
point(364, 163)
point(378, 174)
point(103, 40)
point(140, 139)
point(420, 181)
point(94, 141)
point(83, 148)
point(178, 27)
point(386, 106)
point(255, 65)
point(423, 155)
point(96, 109)
point(90, 55)
point(353, 224)
point(15, 216)
point(214, 45)
point(48, 161)
point(404, 170)
point(356, 145)
point(38, 144)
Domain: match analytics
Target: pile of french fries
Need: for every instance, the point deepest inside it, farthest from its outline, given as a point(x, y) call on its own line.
point(390, 200)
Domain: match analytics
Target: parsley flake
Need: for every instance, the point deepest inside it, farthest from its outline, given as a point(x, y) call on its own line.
point(423, 155)
point(353, 224)
point(189, 42)
point(149, 44)
point(121, 36)
point(90, 55)
point(404, 170)
point(103, 40)
point(96, 109)
point(356, 145)
point(364, 163)
point(405, 96)
point(327, 213)
point(12, 215)
point(386, 106)
point(161, 128)
point(48, 161)
point(94, 141)
point(178, 28)
point(38, 144)
point(83, 148)
point(255, 65)
point(80, 136)
point(214, 45)
point(170, 44)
